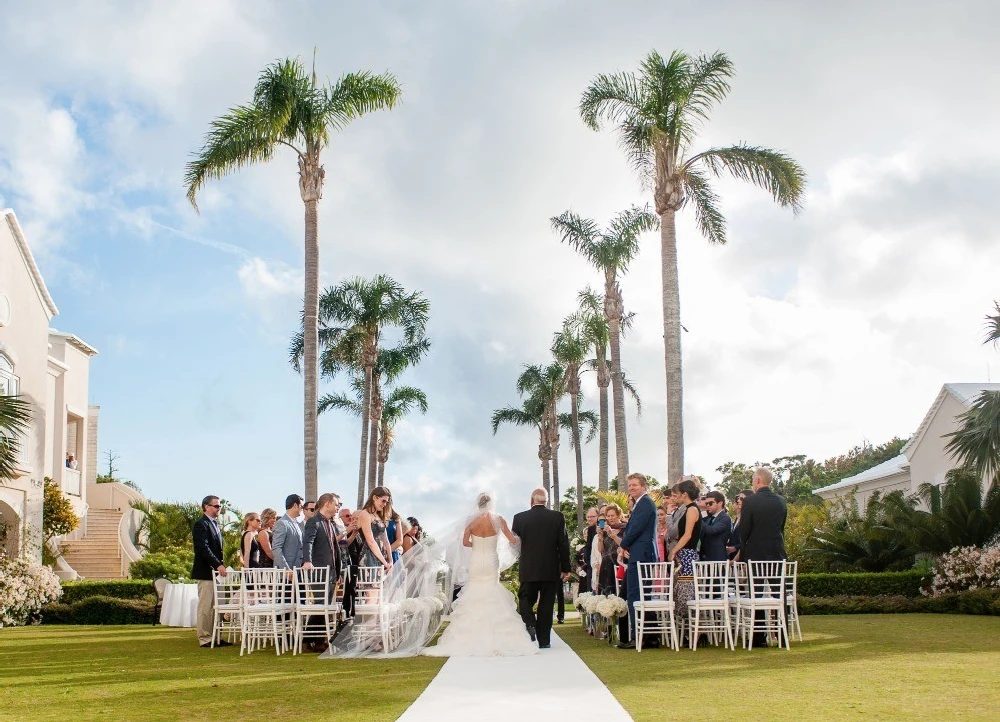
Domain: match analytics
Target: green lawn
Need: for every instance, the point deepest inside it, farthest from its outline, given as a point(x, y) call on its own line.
point(865, 667)
point(160, 673)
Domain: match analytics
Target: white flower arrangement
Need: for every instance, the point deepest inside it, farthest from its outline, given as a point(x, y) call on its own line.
point(581, 599)
point(434, 604)
point(612, 607)
point(966, 568)
point(590, 604)
point(413, 605)
point(24, 589)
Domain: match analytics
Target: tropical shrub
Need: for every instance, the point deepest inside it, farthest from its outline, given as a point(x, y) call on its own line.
point(24, 589)
point(869, 541)
point(116, 588)
point(100, 610)
point(965, 569)
point(960, 514)
point(172, 564)
point(866, 584)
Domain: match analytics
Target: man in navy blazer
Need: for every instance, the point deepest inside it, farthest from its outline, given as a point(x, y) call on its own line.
point(207, 538)
point(638, 545)
point(716, 528)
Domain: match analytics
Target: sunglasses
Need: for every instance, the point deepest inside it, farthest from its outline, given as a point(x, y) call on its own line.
point(215, 506)
point(310, 508)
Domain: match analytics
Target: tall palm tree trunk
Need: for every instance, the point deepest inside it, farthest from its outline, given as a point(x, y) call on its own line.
point(365, 414)
point(603, 381)
point(613, 311)
point(311, 176)
point(544, 453)
point(555, 475)
point(672, 346)
point(578, 453)
point(381, 473)
point(374, 421)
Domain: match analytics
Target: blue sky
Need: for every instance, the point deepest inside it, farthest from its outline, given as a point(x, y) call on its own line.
point(807, 335)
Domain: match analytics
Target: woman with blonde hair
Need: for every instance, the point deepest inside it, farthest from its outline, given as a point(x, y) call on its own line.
point(268, 518)
point(249, 546)
point(372, 521)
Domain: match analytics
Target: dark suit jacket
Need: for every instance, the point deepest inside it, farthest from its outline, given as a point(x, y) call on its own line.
point(734, 540)
point(714, 537)
point(639, 537)
point(207, 548)
point(762, 527)
point(544, 544)
point(316, 547)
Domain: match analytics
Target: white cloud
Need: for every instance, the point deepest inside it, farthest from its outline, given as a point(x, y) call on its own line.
point(261, 282)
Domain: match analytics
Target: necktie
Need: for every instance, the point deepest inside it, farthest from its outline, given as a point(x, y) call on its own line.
point(711, 520)
point(218, 533)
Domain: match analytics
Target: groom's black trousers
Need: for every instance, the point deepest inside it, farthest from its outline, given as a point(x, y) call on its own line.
point(545, 594)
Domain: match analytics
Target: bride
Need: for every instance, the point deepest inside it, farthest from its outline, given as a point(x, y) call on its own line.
point(484, 620)
point(402, 611)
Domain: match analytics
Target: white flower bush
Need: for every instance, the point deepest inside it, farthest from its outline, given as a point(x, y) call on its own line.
point(24, 589)
point(581, 599)
point(966, 568)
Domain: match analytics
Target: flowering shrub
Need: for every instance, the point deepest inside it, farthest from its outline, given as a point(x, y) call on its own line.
point(965, 569)
point(24, 589)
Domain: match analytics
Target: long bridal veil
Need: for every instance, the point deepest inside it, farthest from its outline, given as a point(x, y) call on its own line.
point(400, 614)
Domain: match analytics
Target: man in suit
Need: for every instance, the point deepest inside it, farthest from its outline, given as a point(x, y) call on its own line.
point(716, 527)
point(762, 529)
point(286, 540)
point(207, 539)
point(733, 545)
point(544, 564)
point(638, 545)
point(320, 547)
point(583, 556)
point(762, 522)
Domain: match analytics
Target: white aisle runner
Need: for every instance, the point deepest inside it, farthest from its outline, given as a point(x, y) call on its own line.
point(547, 685)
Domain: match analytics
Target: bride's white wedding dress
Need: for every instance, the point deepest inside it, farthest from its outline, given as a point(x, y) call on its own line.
point(484, 621)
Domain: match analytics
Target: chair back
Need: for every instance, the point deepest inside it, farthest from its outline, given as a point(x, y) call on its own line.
point(766, 579)
point(711, 581)
point(312, 586)
point(656, 581)
point(265, 586)
point(160, 585)
point(738, 579)
point(792, 579)
point(228, 589)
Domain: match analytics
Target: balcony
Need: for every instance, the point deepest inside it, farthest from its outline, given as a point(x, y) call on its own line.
point(71, 481)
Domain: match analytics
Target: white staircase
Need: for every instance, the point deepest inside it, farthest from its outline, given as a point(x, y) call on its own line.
point(97, 555)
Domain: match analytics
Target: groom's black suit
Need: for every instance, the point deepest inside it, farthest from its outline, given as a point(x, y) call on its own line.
point(544, 557)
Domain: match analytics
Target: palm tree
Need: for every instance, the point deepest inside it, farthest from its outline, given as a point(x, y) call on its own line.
point(531, 413)
point(589, 320)
point(570, 349)
point(959, 513)
point(658, 111)
point(870, 542)
point(976, 442)
point(611, 251)
point(290, 109)
point(993, 326)
point(15, 419)
point(547, 384)
point(400, 401)
point(353, 316)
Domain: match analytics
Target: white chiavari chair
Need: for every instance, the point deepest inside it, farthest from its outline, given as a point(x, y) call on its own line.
point(228, 616)
point(313, 599)
point(708, 611)
point(737, 591)
point(763, 610)
point(268, 610)
point(792, 596)
point(374, 617)
point(654, 612)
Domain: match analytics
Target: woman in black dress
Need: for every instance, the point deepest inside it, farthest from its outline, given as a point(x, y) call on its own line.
point(250, 547)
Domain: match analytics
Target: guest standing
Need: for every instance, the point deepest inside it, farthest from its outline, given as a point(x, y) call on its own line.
point(320, 549)
point(268, 518)
point(286, 544)
point(249, 546)
point(733, 545)
point(661, 534)
point(685, 552)
point(413, 534)
point(207, 538)
point(589, 534)
point(716, 527)
point(638, 545)
point(372, 520)
point(762, 521)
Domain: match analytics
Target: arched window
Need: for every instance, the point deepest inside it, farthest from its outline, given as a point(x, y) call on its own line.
point(8, 381)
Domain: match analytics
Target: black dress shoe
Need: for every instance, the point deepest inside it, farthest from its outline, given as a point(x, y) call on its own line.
point(559, 620)
point(223, 643)
point(625, 645)
point(206, 645)
point(545, 646)
point(531, 631)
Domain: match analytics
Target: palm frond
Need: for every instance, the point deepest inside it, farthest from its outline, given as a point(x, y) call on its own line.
point(15, 419)
point(976, 443)
point(339, 402)
point(528, 415)
point(993, 326)
point(770, 170)
point(709, 218)
point(400, 401)
point(611, 98)
point(633, 392)
point(355, 94)
point(708, 83)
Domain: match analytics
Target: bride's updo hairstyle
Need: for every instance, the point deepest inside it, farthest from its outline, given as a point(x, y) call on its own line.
point(484, 501)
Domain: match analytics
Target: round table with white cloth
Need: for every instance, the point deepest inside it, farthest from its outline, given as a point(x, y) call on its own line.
point(180, 606)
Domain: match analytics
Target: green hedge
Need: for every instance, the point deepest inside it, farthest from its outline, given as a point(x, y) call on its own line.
point(979, 601)
point(99, 610)
point(861, 584)
point(115, 588)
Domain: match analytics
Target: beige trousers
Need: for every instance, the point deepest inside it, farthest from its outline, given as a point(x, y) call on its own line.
point(206, 610)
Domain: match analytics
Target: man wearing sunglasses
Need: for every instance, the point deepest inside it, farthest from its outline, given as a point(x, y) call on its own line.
point(716, 526)
point(207, 558)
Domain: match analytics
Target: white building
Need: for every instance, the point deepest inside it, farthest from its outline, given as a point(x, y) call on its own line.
point(51, 370)
point(923, 459)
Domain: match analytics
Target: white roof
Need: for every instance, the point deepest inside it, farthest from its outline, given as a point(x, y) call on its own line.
point(29, 261)
point(74, 341)
point(887, 468)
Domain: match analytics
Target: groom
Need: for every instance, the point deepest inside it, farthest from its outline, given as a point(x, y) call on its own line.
point(544, 564)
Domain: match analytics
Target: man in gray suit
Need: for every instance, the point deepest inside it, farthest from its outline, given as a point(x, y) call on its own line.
point(286, 541)
point(320, 549)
